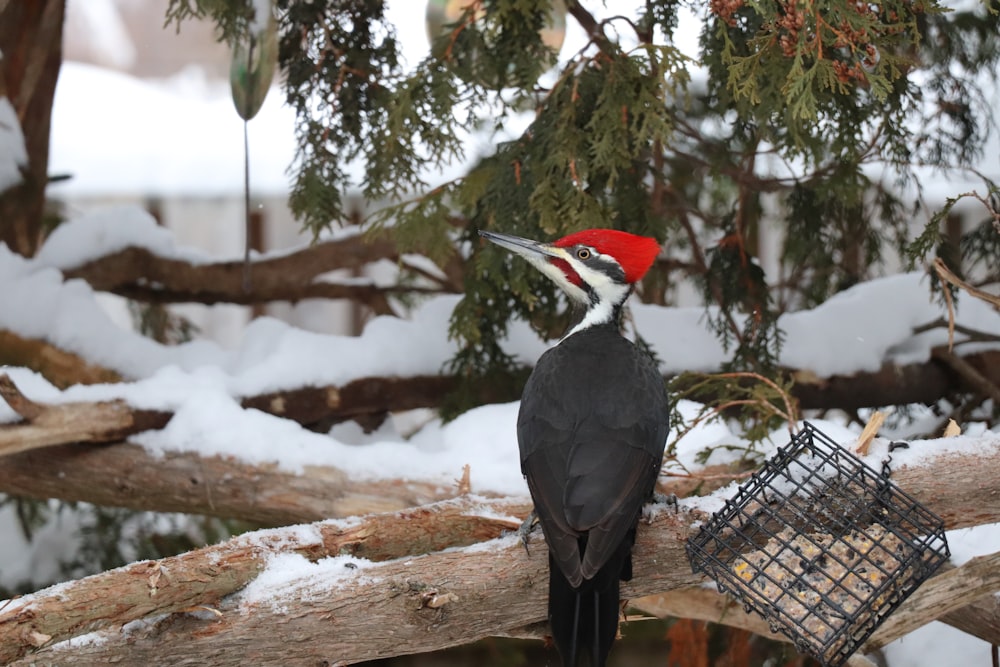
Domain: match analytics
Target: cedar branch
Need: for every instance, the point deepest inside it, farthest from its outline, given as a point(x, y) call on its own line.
point(368, 399)
point(205, 576)
point(960, 487)
point(490, 589)
point(140, 274)
point(104, 421)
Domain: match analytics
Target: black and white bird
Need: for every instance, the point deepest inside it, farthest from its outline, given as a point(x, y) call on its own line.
point(591, 431)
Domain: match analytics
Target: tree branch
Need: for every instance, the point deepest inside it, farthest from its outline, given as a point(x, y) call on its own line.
point(139, 274)
point(126, 475)
point(973, 378)
point(945, 597)
point(430, 602)
point(398, 607)
point(205, 576)
point(104, 421)
point(59, 367)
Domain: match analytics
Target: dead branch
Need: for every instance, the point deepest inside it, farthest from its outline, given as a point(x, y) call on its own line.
point(960, 487)
point(431, 602)
point(203, 577)
point(126, 475)
point(941, 596)
point(968, 373)
point(368, 400)
point(401, 606)
point(958, 596)
point(947, 275)
point(46, 425)
point(892, 384)
point(365, 398)
point(139, 274)
point(109, 421)
point(59, 367)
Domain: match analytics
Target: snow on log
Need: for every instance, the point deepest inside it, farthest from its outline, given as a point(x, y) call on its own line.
point(201, 578)
point(340, 609)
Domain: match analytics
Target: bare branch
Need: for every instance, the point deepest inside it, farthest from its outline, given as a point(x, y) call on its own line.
point(432, 601)
point(973, 378)
point(126, 475)
point(47, 425)
point(205, 576)
point(59, 367)
point(959, 597)
point(139, 274)
point(940, 596)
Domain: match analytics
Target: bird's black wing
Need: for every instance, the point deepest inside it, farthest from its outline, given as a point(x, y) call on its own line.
point(591, 430)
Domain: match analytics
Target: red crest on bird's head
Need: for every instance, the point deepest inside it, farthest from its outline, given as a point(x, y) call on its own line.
point(635, 253)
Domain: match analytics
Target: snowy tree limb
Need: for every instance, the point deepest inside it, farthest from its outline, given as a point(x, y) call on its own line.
point(140, 274)
point(426, 603)
point(368, 400)
point(401, 606)
point(126, 475)
point(959, 486)
point(203, 577)
point(959, 597)
point(59, 367)
point(46, 425)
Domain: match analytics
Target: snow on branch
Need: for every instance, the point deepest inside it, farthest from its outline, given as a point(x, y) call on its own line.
point(127, 475)
point(325, 593)
point(137, 273)
point(46, 425)
point(288, 474)
point(201, 578)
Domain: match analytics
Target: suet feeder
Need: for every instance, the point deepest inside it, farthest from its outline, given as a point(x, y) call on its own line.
point(821, 546)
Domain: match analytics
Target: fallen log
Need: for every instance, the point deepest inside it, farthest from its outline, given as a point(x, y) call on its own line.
point(203, 577)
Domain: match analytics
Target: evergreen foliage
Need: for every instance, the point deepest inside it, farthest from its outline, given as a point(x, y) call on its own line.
point(807, 115)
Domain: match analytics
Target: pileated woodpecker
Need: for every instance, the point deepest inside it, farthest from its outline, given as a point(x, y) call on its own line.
point(591, 431)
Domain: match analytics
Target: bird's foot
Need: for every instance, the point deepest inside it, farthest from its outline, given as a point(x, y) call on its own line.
point(651, 508)
point(524, 531)
point(664, 499)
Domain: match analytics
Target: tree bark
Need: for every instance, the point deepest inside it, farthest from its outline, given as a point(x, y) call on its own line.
point(360, 611)
point(952, 597)
point(61, 368)
point(959, 486)
point(398, 607)
point(46, 425)
point(126, 475)
point(31, 47)
point(137, 273)
point(201, 578)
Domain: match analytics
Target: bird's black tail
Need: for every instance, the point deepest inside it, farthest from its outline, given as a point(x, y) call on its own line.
point(584, 620)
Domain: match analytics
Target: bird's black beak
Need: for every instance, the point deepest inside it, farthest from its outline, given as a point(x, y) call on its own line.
point(532, 250)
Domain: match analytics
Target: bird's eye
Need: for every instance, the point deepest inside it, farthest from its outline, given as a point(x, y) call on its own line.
point(583, 253)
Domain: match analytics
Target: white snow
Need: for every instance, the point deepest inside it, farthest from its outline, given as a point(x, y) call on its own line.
point(179, 136)
point(106, 231)
point(203, 382)
point(13, 154)
point(183, 136)
point(291, 576)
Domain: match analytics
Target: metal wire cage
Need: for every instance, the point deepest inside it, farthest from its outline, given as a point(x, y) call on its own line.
point(820, 545)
